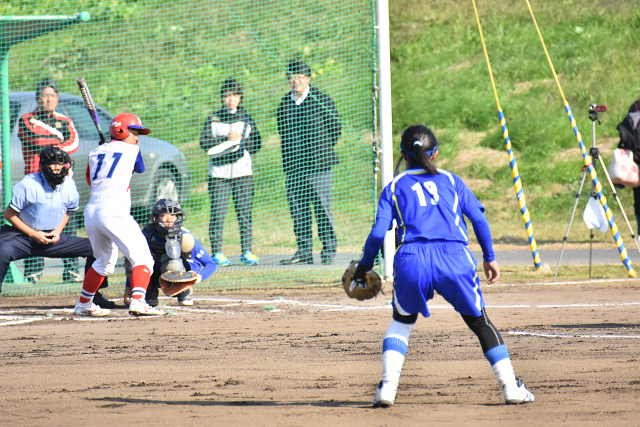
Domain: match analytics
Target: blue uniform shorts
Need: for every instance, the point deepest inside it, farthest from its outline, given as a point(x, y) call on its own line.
point(449, 268)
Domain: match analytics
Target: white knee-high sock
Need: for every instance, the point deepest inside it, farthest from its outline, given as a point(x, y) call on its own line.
point(394, 349)
point(501, 365)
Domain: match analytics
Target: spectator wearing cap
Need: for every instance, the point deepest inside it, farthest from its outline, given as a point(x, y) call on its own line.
point(309, 127)
point(38, 129)
point(38, 212)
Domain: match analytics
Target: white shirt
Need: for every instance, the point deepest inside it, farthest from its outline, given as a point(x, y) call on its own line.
point(300, 99)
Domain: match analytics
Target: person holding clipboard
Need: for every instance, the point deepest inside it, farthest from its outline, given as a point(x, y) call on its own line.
point(230, 137)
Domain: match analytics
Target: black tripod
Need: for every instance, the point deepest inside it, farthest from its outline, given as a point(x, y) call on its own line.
point(594, 109)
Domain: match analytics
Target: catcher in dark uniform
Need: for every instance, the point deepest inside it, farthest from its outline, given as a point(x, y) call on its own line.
point(180, 259)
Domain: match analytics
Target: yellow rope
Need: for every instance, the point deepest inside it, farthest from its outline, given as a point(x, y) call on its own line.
point(515, 174)
point(588, 162)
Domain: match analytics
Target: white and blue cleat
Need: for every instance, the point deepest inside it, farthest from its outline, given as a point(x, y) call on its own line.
point(517, 394)
point(385, 395)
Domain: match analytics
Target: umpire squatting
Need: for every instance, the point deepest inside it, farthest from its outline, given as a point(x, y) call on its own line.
point(39, 211)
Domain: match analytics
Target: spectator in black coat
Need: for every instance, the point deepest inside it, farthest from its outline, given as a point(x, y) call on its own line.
point(309, 127)
point(629, 130)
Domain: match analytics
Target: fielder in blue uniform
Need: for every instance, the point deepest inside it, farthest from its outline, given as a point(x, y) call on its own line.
point(428, 205)
point(166, 219)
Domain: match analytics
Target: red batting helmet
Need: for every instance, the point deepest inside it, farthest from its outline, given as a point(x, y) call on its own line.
point(121, 123)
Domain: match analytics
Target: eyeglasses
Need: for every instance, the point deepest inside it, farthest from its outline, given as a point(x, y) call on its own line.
point(48, 96)
point(297, 78)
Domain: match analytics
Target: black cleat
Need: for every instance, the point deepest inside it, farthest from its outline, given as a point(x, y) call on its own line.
point(102, 301)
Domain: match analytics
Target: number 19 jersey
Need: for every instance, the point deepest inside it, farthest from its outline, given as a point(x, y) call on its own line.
point(109, 174)
point(428, 207)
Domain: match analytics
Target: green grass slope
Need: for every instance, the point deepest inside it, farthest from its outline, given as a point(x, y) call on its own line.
point(440, 78)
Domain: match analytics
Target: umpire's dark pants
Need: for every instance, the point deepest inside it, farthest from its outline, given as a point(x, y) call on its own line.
point(15, 246)
point(242, 191)
point(304, 190)
point(36, 265)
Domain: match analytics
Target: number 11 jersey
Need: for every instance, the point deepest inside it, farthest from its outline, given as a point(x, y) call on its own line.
point(109, 174)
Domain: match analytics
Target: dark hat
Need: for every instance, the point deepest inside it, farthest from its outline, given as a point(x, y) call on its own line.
point(298, 67)
point(45, 83)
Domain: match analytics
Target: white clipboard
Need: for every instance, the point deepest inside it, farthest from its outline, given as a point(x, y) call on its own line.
point(223, 129)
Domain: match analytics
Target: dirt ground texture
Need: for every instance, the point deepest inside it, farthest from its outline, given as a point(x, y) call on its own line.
point(312, 357)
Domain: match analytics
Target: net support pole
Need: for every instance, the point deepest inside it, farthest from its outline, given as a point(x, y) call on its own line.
point(587, 160)
point(6, 130)
point(14, 30)
point(386, 129)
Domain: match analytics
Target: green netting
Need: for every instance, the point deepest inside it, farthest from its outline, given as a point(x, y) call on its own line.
point(166, 62)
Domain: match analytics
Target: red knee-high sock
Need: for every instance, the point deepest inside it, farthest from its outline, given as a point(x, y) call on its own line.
point(140, 277)
point(91, 284)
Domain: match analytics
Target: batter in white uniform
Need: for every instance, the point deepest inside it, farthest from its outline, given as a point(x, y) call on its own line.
point(107, 219)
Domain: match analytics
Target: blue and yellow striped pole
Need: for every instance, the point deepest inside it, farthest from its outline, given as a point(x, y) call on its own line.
point(515, 174)
point(588, 161)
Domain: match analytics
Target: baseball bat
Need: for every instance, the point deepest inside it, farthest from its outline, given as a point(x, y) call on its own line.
point(91, 106)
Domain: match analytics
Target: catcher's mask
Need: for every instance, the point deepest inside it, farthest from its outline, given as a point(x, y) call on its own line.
point(55, 156)
point(168, 206)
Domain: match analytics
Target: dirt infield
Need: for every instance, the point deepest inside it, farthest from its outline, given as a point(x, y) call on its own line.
point(312, 358)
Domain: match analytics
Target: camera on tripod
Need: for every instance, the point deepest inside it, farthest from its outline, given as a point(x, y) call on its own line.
point(594, 109)
point(594, 221)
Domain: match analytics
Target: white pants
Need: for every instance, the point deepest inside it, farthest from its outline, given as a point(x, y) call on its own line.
point(108, 231)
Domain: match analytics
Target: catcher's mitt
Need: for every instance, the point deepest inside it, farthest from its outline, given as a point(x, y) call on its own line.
point(361, 290)
point(174, 283)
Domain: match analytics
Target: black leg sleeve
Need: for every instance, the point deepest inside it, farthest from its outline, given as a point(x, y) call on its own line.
point(408, 320)
point(485, 331)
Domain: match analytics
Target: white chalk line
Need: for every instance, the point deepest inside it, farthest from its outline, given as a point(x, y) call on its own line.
point(547, 335)
point(577, 282)
point(15, 317)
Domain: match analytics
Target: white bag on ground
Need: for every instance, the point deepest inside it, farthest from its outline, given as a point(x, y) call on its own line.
point(623, 170)
point(594, 216)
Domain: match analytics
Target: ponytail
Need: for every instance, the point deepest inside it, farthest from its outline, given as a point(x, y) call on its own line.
point(425, 161)
point(420, 144)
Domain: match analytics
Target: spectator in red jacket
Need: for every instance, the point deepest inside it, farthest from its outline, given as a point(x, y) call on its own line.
point(44, 127)
point(39, 129)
